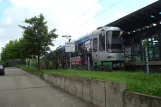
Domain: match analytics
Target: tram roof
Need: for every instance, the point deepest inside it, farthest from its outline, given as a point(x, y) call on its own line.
point(140, 18)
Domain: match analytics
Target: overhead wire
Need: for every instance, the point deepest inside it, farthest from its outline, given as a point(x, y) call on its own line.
point(85, 13)
point(97, 15)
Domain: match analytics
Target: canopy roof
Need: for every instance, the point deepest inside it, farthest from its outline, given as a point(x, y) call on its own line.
point(140, 18)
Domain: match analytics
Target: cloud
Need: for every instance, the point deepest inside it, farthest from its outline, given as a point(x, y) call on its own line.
point(1, 31)
point(8, 21)
point(2, 43)
point(58, 13)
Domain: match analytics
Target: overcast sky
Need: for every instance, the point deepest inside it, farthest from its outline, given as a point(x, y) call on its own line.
point(64, 15)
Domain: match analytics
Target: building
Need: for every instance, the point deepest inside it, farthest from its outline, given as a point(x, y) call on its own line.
point(15, 62)
point(142, 28)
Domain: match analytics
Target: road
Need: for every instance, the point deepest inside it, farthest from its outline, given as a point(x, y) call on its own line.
point(21, 89)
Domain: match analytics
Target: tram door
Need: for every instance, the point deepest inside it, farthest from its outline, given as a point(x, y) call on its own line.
point(99, 50)
point(102, 47)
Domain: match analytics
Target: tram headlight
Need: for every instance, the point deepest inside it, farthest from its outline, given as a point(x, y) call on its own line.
point(110, 57)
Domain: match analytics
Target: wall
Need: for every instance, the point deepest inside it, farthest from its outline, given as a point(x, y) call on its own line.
point(140, 100)
point(102, 93)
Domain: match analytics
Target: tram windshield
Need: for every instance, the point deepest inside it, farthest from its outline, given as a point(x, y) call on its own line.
point(114, 41)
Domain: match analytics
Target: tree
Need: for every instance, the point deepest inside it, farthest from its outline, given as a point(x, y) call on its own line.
point(37, 37)
point(24, 50)
point(11, 50)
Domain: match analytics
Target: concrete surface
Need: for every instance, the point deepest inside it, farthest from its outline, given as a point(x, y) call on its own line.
point(86, 89)
point(132, 99)
point(66, 81)
point(103, 93)
point(78, 87)
point(99, 93)
point(20, 89)
point(114, 94)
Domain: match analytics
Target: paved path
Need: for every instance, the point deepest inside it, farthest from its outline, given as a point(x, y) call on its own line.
point(20, 89)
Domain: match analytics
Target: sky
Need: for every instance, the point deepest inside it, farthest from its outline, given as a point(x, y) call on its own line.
point(67, 16)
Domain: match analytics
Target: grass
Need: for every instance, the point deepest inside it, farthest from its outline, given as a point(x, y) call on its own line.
point(135, 81)
point(31, 70)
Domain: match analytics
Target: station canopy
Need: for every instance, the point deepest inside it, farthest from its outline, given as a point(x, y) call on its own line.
point(140, 18)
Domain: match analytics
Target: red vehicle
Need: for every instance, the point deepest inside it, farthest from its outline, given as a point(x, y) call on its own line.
point(2, 71)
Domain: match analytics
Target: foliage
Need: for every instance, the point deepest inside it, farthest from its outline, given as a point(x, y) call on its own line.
point(37, 36)
point(3, 62)
point(34, 43)
point(145, 43)
point(128, 60)
point(32, 70)
point(13, 50)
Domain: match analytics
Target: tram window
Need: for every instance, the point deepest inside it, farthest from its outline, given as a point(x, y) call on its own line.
point(87, 43)
point(76, 48)
point(115, 37)
point(113, 42)
point(101, 42)
point(95, 45)
point(80, 48)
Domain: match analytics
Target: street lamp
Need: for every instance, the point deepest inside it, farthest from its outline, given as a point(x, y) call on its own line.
point(69, 38)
